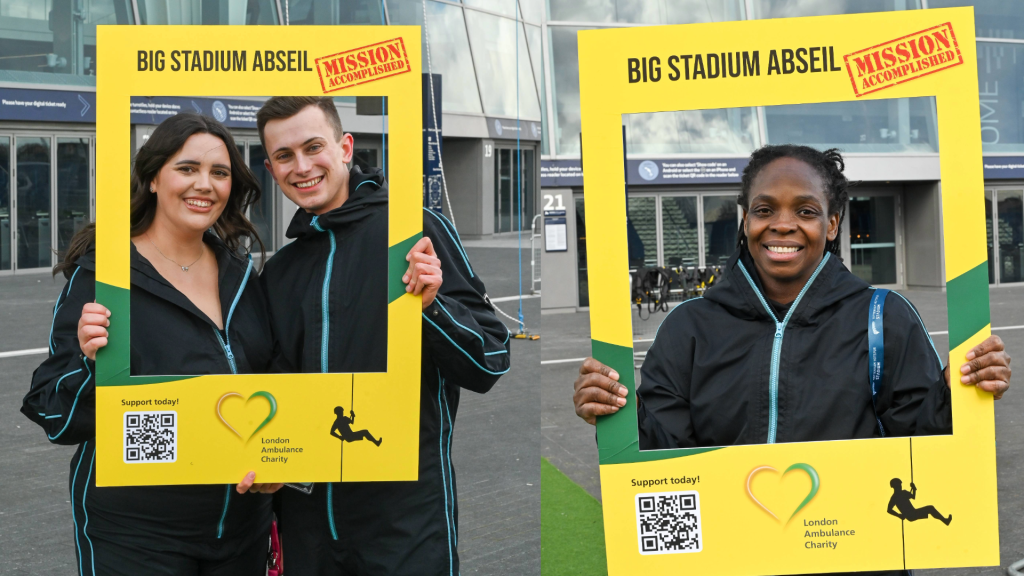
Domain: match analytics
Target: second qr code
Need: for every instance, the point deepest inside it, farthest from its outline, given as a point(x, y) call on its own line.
point(150, 437)
point(668, 522)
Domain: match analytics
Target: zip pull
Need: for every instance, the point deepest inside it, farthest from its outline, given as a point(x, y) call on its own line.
point(778, 329)
point(227, 350)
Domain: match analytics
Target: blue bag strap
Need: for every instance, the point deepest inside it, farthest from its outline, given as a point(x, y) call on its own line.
point(876, 348)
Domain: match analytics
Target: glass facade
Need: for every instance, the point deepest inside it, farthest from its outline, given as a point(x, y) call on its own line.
point(905, 126)
point(796, 8)
point(732, 131)
point(898, 125)
point(645, 11)
point(1001, 90)
point(503, 64)
point(992, 18)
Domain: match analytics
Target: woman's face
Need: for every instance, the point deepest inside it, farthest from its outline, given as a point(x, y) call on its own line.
point(194, 184)
point(787, 221)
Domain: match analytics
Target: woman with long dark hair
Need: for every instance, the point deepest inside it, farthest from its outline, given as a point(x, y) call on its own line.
point(196, 308)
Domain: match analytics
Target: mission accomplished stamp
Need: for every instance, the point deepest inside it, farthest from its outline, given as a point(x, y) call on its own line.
point(903, 59)
point(361, 65)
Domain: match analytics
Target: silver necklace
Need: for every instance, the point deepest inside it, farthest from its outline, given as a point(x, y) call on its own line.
point(183, 268)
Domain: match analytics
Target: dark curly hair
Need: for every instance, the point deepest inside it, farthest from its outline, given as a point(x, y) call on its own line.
point(829, 165)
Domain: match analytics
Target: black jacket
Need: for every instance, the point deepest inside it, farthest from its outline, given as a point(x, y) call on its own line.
point(335, 273)
point(708, 378)
point(168, 333)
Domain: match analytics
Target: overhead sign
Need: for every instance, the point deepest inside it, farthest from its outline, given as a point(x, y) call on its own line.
point(507, 128)
point(230, 112)
point(1003, 167)
point(47, 105)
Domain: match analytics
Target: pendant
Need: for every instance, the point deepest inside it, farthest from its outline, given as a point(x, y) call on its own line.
point(184, 268)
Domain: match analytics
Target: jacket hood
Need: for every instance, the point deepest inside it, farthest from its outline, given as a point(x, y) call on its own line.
point(366, 192)
point(831, 283)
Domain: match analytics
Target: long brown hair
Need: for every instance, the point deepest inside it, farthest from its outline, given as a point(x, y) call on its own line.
point(167, 139)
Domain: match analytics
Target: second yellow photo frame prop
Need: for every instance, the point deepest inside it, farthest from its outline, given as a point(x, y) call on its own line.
point(278, 425)
point(830, 513)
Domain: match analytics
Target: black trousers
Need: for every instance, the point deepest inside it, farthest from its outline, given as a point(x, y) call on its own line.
point(372, 529)
point(101, 555)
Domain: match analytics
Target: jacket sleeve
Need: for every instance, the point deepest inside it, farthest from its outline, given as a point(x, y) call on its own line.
point(62, 396)
point(663, 394)
point(915, 399)
point(461, 334)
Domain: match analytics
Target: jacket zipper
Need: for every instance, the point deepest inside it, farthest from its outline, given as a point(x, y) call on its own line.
point(325, 328)
point(324, 334)
point(225, 343)
point(780, 328)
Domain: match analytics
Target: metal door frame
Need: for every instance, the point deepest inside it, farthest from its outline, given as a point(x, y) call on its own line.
point(11, 202)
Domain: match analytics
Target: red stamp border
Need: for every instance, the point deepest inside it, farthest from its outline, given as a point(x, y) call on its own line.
point(405, 55)
point(956, 46)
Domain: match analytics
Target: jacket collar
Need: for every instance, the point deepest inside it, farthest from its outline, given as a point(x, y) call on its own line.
point(231, 271)
point(365, 192)
point(830, 285)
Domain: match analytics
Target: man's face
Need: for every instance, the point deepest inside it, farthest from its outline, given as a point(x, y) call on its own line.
point(307, 161)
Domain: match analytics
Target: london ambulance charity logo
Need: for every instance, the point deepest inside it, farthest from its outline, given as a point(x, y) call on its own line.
point(807, 469)
point(245, 415)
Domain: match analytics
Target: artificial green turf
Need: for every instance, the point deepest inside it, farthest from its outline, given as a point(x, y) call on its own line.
point(571, 527)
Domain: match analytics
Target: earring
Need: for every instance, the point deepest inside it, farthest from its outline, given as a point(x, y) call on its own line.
point(152, 190)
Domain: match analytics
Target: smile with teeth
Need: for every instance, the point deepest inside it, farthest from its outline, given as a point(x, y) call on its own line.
point(309, 183)
point(783, 249)
point(198, 203)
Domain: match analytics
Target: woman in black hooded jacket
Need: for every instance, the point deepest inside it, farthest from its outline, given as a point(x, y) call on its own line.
point(197, 307)
point(777, 351)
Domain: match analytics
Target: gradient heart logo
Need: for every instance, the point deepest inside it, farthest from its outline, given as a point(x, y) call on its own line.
point(812, 474)
point(250, 412)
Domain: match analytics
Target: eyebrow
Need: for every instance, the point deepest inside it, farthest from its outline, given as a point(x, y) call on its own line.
point(300, 145)
point(197, 163)
point(801, 198)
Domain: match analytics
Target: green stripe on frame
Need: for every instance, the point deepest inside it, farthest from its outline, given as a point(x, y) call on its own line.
point(617, 434)
point(113, 361)
point(397, 265)
point(967, 302)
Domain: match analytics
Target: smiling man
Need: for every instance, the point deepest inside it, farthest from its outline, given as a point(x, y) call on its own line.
point(328, 299)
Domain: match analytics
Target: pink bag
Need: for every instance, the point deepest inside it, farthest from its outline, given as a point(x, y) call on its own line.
point(275, 566)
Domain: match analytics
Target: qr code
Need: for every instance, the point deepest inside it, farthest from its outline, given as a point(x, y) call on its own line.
point(668, 522)
point(150, 437)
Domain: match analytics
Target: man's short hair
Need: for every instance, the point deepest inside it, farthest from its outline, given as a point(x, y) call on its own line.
point(281, 107)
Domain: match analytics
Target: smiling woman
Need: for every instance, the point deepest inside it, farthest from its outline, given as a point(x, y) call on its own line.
point(777, 350)
point(196, 306)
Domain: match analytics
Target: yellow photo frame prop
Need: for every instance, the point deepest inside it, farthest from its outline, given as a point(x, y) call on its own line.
point(227, 425)
point(838, 489)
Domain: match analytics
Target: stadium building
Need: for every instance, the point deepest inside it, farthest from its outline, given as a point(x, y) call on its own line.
point(482, 51)
point(683, 168)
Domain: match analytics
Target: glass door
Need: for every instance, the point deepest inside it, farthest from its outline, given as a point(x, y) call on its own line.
point(6, 222)
point(33, 202)
point(1010, 235)
point(875, 238)
point(73, 186)
point(513, 180)
point(721, 224)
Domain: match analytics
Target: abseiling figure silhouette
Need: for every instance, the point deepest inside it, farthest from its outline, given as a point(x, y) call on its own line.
point(342, 428)
point(901, 501)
